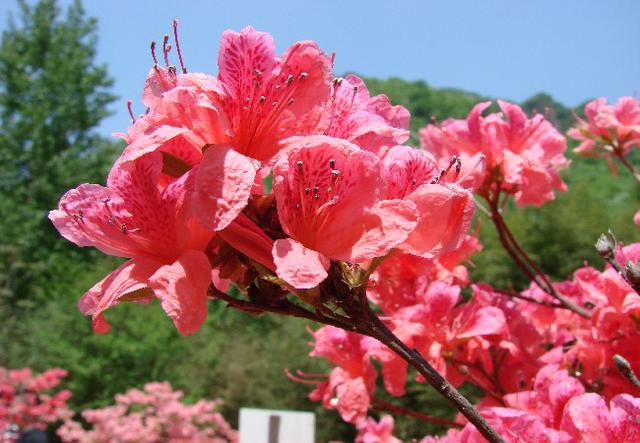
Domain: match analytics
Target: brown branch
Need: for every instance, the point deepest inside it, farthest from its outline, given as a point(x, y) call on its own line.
point(383, 406)
point(380, 331)
point(526, 264)
point(620, 156)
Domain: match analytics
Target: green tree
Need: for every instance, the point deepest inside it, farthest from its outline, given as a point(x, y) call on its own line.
point(53, 95)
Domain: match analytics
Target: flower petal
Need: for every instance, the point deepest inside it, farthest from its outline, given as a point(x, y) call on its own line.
point(301, 267)
point(182, 290)
point(223, 183)
point(129, 278)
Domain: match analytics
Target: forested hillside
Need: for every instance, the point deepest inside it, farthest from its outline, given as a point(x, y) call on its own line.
point(52, 97)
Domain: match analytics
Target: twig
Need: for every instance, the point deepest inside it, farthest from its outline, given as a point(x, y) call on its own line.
point(618, 153)
point(526, 264)
point(381, 332)
point(625, 369)
point(383, 406)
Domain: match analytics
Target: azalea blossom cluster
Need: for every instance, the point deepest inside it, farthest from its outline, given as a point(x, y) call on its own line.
point(502, 152)
point(609, 130)
point(27, 401)
point(280, 178)
point(186, 203)
point(151, 415)
point(545, 371)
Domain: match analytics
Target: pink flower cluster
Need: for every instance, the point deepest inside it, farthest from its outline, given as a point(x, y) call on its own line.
point(151, 415)
point(502, 152)
point(188, 188)
point(27, 401)
point(609, 129)
point(548, 374)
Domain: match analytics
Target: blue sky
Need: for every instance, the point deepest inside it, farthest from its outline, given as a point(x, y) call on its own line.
point(572, 49)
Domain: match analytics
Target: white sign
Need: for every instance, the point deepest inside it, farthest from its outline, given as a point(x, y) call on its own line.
point(273, 426)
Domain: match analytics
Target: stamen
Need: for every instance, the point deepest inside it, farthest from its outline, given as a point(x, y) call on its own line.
point(274, 103)
point(175, 37)
point(289, 79)
point(257, 72)
point(300, 164)
point(306, 191)
point(153, 54)
point(332, 163)
point(133, 117)
point(334, 175)
point(337, 82)
point(414, 181)
point(333, 58)
point(303, 75)
point(165, 49)
point(262, 99)
point(123, 228)
point(291, 101)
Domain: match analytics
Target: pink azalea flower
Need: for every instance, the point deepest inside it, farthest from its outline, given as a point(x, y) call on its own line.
point(608, 128)
point(522, 156)
point(370, 431)
point(350, 384)
point(369, 122)
point(587, 418)
point(552, 388)
point(328, 194)
point(135, 218)
point(444, 209)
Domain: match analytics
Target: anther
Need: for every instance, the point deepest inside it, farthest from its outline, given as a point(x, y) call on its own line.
point(337, 81)
point(307, 190)
point(290, 102)
point(414, 181)
point(303, 75)
point(123, 228)
point(133, 118)
point(289, 79)
point(153, 54)
point(106, 200)
point(262, 99)
point(175, 38)
point(274, 103)
point(332, 163)
point(300, 164)
point(135, 230)
point(334, 175)
point(247, 100)
point(172, 69)
point(257, 72)
point(315, 190)
point(111, 220)
point(166, 48)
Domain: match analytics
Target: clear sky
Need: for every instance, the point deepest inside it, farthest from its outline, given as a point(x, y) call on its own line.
point(572, 49)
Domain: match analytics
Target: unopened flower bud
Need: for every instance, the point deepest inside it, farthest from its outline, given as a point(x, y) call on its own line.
point(605, 247)
point(633, 273)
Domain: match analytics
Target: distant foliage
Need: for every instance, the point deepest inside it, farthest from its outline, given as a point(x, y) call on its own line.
point(53, 96)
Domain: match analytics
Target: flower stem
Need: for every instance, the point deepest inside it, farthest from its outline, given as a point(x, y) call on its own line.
point(627, 164)
point(383, 406)
point(525, 263)
point(381, 332)
point(361, 318)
